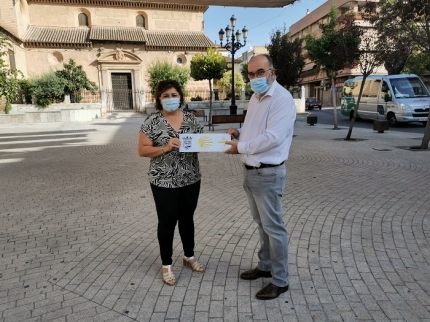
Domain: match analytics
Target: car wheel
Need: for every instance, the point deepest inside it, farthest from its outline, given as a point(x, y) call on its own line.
point(392, 120)
point(320, 107)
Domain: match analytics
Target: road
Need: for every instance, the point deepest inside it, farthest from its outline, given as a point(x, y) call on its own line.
point(325, 116)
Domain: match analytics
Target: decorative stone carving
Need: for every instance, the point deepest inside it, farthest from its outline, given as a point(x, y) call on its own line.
point(119, 54)
point(100, 50)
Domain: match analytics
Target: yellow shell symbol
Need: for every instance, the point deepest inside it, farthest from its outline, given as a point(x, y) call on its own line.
point(204, 142)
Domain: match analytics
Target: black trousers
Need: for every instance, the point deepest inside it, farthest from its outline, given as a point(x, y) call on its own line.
point(175, 205)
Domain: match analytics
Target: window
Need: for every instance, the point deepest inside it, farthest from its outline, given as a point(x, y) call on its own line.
point(373, 88)
point(408, 87)
point(12, 63)
point(385, 90)
point(83, 20)
point(140, 21)
point(181, 59)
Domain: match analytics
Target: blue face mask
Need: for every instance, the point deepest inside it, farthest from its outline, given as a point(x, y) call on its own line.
point(259, 85)
point(171, 104)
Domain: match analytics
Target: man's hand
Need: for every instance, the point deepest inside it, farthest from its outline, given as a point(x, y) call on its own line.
point(234, 133)
point(233, 148)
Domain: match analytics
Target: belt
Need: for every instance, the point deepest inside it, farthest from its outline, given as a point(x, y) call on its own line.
point(263, 165)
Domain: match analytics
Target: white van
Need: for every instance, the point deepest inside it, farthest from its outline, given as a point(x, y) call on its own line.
point(396, 98)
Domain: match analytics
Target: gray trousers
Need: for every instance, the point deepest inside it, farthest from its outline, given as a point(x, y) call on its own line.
point(264, 188)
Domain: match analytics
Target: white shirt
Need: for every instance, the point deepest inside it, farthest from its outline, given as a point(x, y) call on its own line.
point(267, 132)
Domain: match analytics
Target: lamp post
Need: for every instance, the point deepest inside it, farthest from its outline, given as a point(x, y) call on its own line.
point(233, 46)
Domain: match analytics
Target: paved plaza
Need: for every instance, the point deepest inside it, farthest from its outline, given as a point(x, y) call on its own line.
point(78, 229)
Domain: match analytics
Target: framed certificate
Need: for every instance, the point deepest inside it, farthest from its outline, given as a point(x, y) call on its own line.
point(214, 142)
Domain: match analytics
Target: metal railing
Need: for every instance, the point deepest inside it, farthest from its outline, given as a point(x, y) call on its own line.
point(193, 95)
point(90, 96)
point(125, 100)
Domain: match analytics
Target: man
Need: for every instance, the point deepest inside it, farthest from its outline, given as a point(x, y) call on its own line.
point(265, 140)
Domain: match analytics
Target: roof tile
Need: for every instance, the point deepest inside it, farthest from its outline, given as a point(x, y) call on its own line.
point(83, 35)
point(58, 35)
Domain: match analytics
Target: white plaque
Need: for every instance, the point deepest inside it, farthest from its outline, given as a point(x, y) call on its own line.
point(204, 142)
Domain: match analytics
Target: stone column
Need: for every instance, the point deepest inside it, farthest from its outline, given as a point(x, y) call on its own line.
point(103, 99)
point(142, 100)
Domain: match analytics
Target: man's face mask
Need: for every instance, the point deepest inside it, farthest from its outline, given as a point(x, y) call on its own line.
point(259, 85)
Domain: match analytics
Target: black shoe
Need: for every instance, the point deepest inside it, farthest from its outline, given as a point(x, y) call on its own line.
point(270, 292)
point(255, 273)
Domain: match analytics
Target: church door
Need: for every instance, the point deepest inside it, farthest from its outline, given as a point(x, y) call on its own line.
point(122, 92)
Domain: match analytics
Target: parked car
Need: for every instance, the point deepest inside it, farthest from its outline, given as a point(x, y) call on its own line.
point(312, 102)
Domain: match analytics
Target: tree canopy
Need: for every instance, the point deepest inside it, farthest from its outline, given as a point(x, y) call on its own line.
point(209, 66)
point(394, 41)
point(336, 47)
point(75, 79)
point(244, 73)
point(418, 63)
point(225, 83)
point(338, 44)
point(287, 57)
point(162, 70)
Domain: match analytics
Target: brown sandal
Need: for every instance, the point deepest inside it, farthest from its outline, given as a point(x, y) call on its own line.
point(195, 265)
point(169, 277)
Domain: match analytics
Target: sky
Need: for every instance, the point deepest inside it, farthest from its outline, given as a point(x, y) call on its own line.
point(260, 22)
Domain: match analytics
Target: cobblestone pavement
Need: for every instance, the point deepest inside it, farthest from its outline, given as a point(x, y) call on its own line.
point(78, 230)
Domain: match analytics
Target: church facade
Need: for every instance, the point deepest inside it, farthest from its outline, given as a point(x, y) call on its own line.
point(114, 40)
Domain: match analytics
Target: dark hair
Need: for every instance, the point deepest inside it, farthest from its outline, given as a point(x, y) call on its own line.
point(164, 86)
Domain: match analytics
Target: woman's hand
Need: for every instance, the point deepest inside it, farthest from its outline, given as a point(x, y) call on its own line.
point(173, 143)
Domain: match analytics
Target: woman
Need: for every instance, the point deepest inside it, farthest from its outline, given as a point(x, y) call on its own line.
point(174, 176)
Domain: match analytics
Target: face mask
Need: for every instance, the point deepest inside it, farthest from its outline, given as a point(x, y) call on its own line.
point(170, 104)
point(259, 85)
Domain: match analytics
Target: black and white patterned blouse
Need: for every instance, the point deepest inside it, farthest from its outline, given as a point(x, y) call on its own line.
point(172, 169)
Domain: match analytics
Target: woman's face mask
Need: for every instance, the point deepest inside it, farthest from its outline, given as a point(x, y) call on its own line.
point(171, 104)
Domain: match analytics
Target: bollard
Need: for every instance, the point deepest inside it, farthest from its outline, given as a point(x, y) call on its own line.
point(312, 119)
point(380, 126)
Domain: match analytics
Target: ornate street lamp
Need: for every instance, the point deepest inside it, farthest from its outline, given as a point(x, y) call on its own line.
point(233, 46)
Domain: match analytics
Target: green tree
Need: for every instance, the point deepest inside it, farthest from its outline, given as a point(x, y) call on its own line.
point(370, 59)
point(418, 63)
point(337, 47)
point(48, 89)
point(287, 57)
point(75, 79)
point(210, 66)
point(225, 83)
point(392, 41)
point(162, 70)
point(244, 72)
point(9, 79)
point(25, 92)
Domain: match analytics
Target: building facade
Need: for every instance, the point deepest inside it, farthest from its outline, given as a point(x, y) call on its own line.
point(315, 80)
point(115, 41)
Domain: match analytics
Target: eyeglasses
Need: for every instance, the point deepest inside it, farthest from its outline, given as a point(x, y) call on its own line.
point(259, 73)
